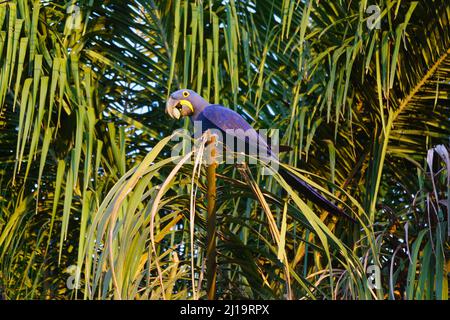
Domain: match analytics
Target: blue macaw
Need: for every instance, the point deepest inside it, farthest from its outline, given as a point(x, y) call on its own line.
point(187, 103)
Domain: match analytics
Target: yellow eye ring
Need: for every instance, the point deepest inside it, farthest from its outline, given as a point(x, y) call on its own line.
point(185, 94)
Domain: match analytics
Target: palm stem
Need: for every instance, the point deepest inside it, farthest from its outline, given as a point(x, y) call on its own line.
point(211, 264)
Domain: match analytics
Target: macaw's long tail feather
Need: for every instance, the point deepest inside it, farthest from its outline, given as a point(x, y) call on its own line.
point(312, 194)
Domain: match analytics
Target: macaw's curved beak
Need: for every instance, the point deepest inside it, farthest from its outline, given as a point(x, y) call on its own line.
point(173, 108)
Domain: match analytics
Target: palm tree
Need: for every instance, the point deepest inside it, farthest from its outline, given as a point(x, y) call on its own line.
point(93, 205)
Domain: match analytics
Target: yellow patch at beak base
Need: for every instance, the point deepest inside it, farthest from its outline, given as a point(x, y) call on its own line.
point(187, 104)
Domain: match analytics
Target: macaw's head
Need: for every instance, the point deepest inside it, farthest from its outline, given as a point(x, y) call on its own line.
point(185, 103)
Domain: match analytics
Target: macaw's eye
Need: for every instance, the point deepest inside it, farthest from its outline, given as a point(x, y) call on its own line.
point(185, 94)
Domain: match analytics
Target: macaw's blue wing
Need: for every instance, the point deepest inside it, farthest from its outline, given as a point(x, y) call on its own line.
point(232, 124)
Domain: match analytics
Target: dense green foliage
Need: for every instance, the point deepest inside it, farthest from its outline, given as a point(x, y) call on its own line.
point(88, 186)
